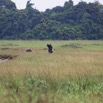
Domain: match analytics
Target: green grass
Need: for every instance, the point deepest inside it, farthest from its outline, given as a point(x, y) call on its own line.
point(72, 74)
point(88, 45)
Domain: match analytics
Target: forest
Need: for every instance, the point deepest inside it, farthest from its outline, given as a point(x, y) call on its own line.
point(83, 21)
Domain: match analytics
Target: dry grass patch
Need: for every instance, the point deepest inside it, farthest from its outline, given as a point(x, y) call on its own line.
point(60, 63)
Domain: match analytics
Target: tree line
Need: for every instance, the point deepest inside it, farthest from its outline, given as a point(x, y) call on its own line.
point(81, 21)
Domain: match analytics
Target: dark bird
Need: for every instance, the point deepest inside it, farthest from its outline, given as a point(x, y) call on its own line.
point(50, 48)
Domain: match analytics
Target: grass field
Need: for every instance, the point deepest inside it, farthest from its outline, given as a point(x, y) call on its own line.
point(73, 73)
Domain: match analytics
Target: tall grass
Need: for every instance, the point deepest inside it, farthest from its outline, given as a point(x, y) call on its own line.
point(72, 74)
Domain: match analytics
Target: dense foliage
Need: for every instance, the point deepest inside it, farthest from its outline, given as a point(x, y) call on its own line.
point(81, 21)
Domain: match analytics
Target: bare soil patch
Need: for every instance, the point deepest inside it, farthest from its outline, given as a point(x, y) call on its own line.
point(5, 57)
point(10, 53)
point(72, 45)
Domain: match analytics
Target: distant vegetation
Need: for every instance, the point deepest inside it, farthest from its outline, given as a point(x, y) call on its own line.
point(81, 21)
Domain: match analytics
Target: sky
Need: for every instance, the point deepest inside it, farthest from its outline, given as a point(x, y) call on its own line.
point(42, 5)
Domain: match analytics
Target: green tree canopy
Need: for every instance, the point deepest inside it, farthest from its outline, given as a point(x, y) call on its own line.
point(81, 21)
